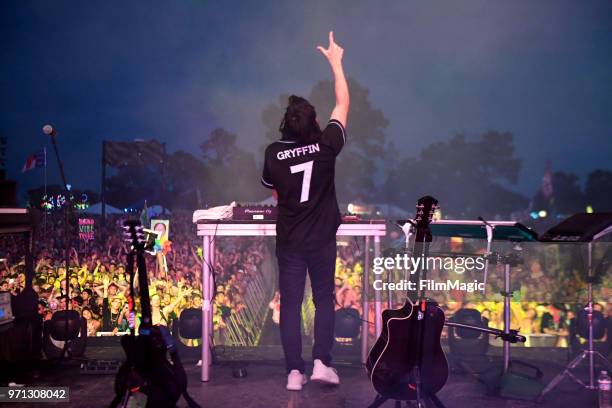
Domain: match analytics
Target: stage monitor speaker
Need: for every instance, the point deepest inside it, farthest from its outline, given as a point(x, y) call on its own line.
point(8, 194)
point(190, 324)
point(347, 323)
point(522, 381)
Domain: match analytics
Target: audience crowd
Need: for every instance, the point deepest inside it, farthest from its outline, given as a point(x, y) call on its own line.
point(98, 286)
point(546, 298)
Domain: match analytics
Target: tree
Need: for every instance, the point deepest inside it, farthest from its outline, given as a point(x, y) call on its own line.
point(174, 183)
point(567, 196)
point(271, 118)
point(225, 173)
point(361, 160)
point(135, 183)
point(232, 174)
point(467, 177)
point(598, 190)
point(186, 179)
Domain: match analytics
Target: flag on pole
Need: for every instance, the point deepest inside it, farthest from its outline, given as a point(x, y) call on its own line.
point(144, 215)
point(38, 159)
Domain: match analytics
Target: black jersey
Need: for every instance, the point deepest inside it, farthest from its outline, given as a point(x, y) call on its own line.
point(303, 176)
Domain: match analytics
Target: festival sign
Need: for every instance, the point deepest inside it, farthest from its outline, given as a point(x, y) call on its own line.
point(86, 229)
point(161, 228)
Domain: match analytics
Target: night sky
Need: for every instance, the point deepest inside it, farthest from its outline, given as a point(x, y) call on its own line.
point(176, 70)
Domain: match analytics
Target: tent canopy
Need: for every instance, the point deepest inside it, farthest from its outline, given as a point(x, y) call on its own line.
point(97, 209)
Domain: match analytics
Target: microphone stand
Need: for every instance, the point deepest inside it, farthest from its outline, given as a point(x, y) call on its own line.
point(490, 229)
point(512, 336)
point(66, 237)
point(66, 219)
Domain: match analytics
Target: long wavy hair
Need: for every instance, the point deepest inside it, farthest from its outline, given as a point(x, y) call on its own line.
point(300, 121)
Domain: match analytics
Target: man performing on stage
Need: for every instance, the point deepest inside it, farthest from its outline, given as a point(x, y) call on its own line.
point(300, 168)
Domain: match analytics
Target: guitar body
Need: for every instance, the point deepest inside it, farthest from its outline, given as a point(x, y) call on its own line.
point(393, 357)
point(147, 369)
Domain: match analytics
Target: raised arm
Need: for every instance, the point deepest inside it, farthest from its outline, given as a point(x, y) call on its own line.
point(99, 290)
point(334, 53)
point(75, 255)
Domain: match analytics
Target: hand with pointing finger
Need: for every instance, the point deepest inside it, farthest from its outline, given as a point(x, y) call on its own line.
point(333, 52)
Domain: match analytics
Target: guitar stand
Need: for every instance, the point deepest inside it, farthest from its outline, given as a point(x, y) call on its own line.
point(379, 400)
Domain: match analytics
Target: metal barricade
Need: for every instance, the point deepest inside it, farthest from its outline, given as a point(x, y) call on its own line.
point(244, 327)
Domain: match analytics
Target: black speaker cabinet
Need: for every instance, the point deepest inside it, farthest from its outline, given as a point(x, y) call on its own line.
point(8, 194)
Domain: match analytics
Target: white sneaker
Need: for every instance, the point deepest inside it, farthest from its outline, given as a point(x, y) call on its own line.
point(324, 374)
point(295, 380)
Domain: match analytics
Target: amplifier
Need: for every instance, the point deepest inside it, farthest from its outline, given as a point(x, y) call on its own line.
point(254, 213)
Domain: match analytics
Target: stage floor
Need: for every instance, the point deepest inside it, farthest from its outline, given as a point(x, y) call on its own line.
point(265, 384)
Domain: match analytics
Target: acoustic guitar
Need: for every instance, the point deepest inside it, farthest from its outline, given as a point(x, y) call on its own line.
point(148, 377)
point(407, 361)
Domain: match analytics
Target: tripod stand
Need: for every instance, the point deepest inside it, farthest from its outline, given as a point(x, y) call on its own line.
point(65, 285)
point(589, 354)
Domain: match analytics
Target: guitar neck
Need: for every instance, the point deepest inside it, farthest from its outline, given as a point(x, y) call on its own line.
point(420, 250)
point(130, 273)
point(143, 283)
point(134, 235)
point(425, 208)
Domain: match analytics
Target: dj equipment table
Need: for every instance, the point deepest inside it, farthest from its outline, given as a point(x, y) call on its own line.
point(209, 230)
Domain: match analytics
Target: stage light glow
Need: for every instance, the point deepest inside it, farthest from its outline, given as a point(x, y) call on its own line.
point(350, 208)
point(542, 213)
point(437, 215)
point(534, 215)
point(589, 209)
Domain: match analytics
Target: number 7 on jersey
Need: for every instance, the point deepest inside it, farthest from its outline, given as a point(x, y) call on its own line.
point(307, 169)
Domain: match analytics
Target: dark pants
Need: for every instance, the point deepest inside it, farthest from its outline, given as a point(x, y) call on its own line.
point(293, 264)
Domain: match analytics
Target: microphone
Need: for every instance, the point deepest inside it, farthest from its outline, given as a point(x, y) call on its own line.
point(48, 130)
